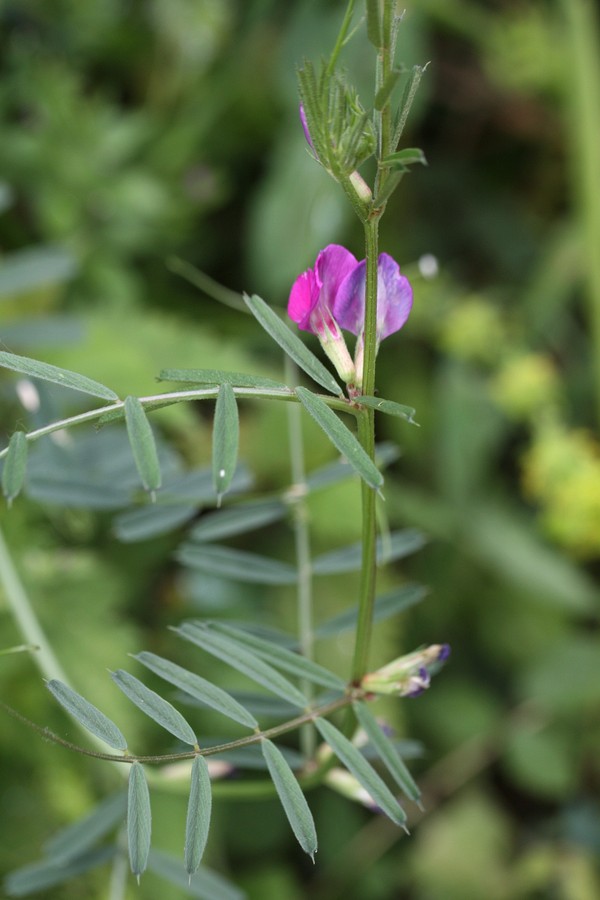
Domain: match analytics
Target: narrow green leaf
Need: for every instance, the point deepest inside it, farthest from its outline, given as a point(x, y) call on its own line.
point(155, 706)
point(147, 522)
point(404, 158)
point(292, 799)
point(37, 267)
point(387, 752)
point(283, 658)
point(204, 885)
point(242, 660)
point(79, 837)
point(139, 820)
point(87, 715)
point(215, 376)
point(406, 102)
point(364, 773)
point(142, 443)
point(44, 875)
point(75, 492)
point(374, 23)
point(237, 565)
point(46, 372)
point(226, 437)
point(389, 407)
point(196, 487)
point(197, 687)
point(238, 520)
point(15, 466)
point(386, 606)
point(341, 437)
point(292, 345)
point(198, 815)
point(391, 547)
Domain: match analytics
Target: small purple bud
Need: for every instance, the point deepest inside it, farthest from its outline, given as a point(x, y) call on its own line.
point(444, 652)
point(418, 683)
point(305, 128)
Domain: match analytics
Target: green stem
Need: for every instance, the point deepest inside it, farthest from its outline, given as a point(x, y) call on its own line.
point(341, 38)
point(583, 108)
point(157, 759)
point(26, 619)
point(366, 436)
point(210, 393)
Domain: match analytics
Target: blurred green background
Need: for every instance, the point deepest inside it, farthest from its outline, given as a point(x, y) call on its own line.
point(135, 134)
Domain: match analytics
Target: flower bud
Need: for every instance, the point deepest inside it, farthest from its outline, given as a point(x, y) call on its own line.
point(407, 676)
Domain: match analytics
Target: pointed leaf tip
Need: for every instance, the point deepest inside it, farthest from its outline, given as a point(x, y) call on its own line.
point(291, 344)
point(226, 433)
point(364, 773)
point(198, 815)
point(15, 465)
point(341, 437)
point(292, 799)
point(139, 820)
point(142, 444)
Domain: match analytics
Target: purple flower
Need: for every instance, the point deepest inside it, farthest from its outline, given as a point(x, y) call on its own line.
point(314, 292)
point(311, 301)
point(394, 298)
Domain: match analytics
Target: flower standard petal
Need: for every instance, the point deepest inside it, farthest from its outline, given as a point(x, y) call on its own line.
point(313, 293)
point(311, 301)
point(333, 265)
point(349, 305)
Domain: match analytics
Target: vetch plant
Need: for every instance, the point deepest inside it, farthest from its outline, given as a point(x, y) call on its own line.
point(329, 712)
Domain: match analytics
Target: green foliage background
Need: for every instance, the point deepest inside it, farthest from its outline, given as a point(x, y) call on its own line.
point(135, 133)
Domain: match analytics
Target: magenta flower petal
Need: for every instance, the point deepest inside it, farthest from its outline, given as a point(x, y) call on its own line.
point(305, 128)
point(394, 298)
point(313, 293)
point(332, 267)
point(349, 306)
point(303, 298)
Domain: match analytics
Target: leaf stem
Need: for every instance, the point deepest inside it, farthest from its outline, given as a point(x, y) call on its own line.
point(291, 725)
point(207, 393)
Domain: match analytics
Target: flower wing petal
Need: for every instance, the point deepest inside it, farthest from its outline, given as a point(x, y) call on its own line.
point(395, 297)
